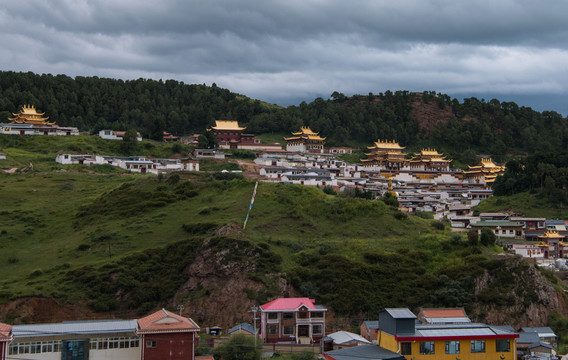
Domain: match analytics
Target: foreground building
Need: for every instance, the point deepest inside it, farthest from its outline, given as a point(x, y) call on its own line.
point(400, 332)
point(161, 335)
point(296, 320)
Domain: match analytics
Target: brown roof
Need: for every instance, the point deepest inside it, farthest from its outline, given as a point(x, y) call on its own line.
point(5, 330)
point(165, 321)
point(443, 313)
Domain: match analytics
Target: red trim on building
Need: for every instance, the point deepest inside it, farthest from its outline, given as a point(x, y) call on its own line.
point(450, 338)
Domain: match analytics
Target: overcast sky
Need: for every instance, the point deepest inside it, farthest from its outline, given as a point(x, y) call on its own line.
point(287, 51)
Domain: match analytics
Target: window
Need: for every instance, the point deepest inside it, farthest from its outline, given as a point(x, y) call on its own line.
point(288, 330)
point(287, 315)
point(273, 330)
point(426, 347)
point(151, 344)
point(406, 348)
point(272, 316)
point(477, 346)
point(452, 347)
point(503, 345)
point(303, 314)
point(317, 314)
point(317, 329)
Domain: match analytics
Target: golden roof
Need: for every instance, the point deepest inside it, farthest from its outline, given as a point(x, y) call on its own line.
point(305, 133)
point(227, 125)
point(305, 130)
point(29, 115)
point(379, 144)
point(551, 234)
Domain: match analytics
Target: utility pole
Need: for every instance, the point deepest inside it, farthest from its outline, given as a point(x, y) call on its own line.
point(180, 308)
point(254, 310)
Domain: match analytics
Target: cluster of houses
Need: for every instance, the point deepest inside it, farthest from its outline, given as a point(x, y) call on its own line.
point(139, 164)
point(286, 325)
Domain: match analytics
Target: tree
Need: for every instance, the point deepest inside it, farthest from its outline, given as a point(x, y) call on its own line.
point(487, 237)
point(129, 142)
point(472, 237)
point(239, 347)
point(207, 141)
point(390, 199)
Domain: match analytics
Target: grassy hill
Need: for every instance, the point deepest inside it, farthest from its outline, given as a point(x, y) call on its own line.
point(122, 243)
point(526, 203)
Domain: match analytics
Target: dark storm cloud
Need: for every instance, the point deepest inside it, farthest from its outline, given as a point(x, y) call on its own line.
point(286, 49)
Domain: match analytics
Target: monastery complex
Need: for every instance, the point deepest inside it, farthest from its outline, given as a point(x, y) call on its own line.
point(29, 122)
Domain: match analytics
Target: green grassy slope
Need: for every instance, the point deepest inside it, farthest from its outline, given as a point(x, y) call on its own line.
point(533, 205)
point(123, 242)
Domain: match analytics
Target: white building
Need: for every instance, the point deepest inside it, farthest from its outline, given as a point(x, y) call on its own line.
point(30, 129)
point(116, 135)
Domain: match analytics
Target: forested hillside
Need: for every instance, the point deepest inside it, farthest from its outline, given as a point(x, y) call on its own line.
point(461, 129)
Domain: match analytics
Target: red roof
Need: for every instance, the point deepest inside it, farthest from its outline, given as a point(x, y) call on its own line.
point(5, 330)
point(444, 313)
point(166, 321)
point(289, 304)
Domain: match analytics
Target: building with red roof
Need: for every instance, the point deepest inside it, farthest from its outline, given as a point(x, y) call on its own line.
point(5, 337)
point(443, 315)
point(297, 320)
point(165, 335)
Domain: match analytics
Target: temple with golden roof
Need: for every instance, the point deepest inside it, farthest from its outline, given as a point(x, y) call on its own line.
point(387, 155)
point(305, 140)
point(430, 160)
point(29, 115)
point(29, 122)
point(485, 172)
point(552, 245)
point(229, 134)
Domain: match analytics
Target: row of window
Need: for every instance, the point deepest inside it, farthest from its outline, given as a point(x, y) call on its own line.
point(114, 343)
point(34, 347)
point(289, 330)
point(38, 347)
point(292, 315)
point(453, 347)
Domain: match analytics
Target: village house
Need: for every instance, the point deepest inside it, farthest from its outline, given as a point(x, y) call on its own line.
point(208, 154)
point(343, 339)
point(161, 335)
point(116, 135)
point(296, 320)
point(29, 122)
point(501, 228)
point(244, 328)
point(368, 330)
point(339, 150)
point(400, 332)
point(2, 156)
point(443, 316)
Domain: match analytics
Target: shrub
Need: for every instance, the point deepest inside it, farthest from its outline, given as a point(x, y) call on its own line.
point(329, 190)
point(472, 237)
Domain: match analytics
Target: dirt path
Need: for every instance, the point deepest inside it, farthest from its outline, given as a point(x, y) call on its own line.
point(250, 169)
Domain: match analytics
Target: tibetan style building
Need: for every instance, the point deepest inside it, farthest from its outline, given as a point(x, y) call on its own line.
point(387, 155)
point(430, 160)
point(485, 172)
point(305, 141)
point(230, 133)
point(29, 122)
point(231, 136)
point(552, 245)
point(29, 115)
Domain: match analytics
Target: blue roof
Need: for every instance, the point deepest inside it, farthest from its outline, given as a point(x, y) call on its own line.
point(400, 313)
point(371, 324)
point(368, 352)
point(75, 328)
point(542, 331)
point(528, 338)
point(244, 326)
